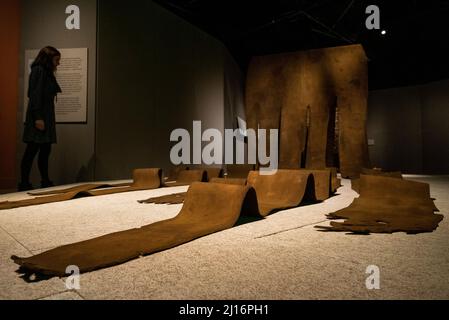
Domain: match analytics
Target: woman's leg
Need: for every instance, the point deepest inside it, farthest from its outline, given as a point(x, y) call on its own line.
point(44, 154)
point(27, 162)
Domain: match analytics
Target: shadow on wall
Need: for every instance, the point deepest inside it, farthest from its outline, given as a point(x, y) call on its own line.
point(87, 173)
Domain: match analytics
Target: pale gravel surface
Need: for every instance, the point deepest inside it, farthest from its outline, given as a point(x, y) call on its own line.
point(282, 257)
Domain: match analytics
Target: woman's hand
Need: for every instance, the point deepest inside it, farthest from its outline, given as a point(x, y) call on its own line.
point(40, 125)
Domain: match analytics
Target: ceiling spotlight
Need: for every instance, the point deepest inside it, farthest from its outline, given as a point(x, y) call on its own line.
point(384, 32)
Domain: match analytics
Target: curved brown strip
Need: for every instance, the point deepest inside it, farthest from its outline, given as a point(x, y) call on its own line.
point(322, 180)
point(208, 208)
point(174, 172)
point(187, 177)
point(388, 205)
point(239, 171)
point(144, 179)
point(236, 181)
point(298, 93)
point(89, 186)
point(211, 172)
point(176, 198)
point(298, 182)
point(282, 190)
point(47, 199)
point(355, 183)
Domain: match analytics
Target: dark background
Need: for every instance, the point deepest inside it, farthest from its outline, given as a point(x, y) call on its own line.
point(413, 51)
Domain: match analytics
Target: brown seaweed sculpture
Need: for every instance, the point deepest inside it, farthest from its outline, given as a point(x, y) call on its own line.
point(208, 208)
point(186, 177)
point(388, 205)
point(355, 183)
point(285, 188)
point(318, 101)
point(144, 179)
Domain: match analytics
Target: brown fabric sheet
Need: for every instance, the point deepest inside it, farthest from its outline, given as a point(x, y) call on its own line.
point(211, 172)
point(355, 183)
point(187, 177)
point(236, 181)
point(388, 205)
point(175, 198)
point(173, 172)
point(208, 208)
point(178, 198)
point(144, 179)
point(285, 189)
point(322, 181)
point(239, 171)
point(298, 92)
point(269, 187)
point(87, 186)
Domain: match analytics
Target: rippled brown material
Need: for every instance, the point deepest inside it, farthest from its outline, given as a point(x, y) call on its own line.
point(210, 171)
point(236, 181)
point(322, 182)
point(285, 189)
point(175, 198)
point(239, 171)
point(187, 177)
point(208, 208)
point(178, 198)
point(299, 94)
point(355, 183)
point(388, 205)
point(144, 179)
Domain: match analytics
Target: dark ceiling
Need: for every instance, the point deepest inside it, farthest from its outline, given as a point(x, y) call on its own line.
point(414, 49)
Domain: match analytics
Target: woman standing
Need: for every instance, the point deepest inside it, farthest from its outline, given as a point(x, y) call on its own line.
point(40, 124)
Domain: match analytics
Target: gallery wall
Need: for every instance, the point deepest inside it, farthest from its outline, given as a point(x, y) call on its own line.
point(409, 128)
point(42, 24)
point(9, 77)
point(156, 73)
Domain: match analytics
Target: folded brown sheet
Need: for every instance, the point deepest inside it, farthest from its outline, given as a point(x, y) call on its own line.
point(187, 177)
point(272, 186)
point(208, 208)
point(144, 179)
point(175, 198)
point(211, 172)
point(178, 198)
point(285, 189)
point(355, 183)
point(236, 181)
point(239, 171)
point(388, 205)
point(323, 182)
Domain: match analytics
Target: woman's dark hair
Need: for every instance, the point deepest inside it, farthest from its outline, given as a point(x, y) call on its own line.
point(45, 58)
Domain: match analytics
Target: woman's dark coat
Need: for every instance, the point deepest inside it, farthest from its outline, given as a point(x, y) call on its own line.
point(42, 90)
